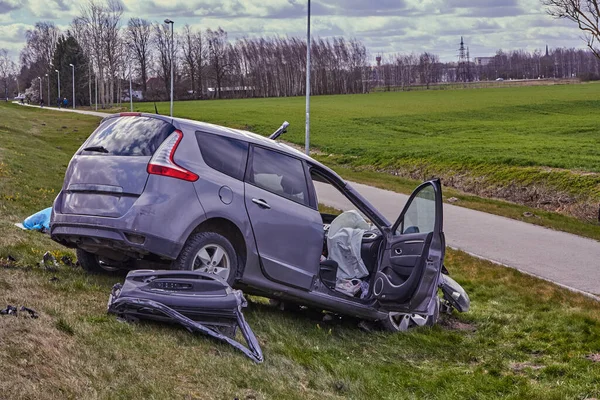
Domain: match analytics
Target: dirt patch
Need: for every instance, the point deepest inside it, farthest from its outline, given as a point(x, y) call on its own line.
point(456, 325)
point(521, 366)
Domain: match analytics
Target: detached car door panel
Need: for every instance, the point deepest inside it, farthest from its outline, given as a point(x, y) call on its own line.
point(413, 255)
point(288, 230)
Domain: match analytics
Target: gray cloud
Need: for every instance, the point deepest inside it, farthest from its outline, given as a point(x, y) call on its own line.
point(385, 26)
point(7, 6)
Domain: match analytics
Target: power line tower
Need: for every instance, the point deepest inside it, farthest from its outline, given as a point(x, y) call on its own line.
point(463, 73)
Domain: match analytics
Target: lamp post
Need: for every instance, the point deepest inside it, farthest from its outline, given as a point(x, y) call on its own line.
point(48, 85)
point(58, 74)
point(41, 95)
point(96, 90)
point(307, 135)
point(130, 90)
point(168, 21)
point(73, 72)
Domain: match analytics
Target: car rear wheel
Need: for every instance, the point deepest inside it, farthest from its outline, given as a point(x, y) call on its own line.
point(209, 252)
point(93, 265)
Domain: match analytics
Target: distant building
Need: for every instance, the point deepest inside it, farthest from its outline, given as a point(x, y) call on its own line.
point(136, 94)
point(483, 61)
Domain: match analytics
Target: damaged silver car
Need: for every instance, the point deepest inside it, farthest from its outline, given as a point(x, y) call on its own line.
point(153, 192)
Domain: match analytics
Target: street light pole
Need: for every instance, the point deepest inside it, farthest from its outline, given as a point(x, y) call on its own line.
point(41, 95)
point(307, 135)
point(58, 74)
point(73, 69)
point(96, 90)
point(48, 85)
point(130, 90)
point(168, 21)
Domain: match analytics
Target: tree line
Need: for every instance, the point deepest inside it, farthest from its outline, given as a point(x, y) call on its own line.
point(404, 71)
point(106, 51)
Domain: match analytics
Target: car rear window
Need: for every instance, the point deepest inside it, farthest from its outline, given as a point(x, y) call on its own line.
point(224, 154)
point(129, 136)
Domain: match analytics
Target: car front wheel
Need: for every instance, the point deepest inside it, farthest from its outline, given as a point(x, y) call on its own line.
point(209, 252)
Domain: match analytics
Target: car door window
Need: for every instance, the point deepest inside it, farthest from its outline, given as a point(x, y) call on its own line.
point(420, 215)
point(279, 174)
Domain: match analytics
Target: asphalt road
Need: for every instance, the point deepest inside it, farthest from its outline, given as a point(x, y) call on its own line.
point(568, 260)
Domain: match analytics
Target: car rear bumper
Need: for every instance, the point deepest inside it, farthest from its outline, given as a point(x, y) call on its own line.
point(97, 239)
point(158, 223)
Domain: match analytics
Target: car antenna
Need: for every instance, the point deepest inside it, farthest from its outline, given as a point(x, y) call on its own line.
point(280, 131)
point(155, 109)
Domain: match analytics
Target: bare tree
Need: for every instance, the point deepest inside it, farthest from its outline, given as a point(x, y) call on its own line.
point(217, 53)
point(7, 69)
point(162, 43)
point(102, 19)
point(192, 57)
point(139, 34)
point(427, 63)
point(41, 42)
point(585, 13)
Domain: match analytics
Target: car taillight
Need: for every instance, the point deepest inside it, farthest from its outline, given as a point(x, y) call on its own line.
point(162, 161)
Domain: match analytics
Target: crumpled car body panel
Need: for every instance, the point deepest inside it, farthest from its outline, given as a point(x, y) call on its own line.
point(200, 302)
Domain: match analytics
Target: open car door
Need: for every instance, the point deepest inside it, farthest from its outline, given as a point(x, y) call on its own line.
point(410, 266)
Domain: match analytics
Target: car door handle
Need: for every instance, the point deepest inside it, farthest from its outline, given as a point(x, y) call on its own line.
point(261, 203)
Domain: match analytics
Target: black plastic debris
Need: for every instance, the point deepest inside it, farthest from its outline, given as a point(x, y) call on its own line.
point(11, 258)
point(201, 302)
point(32, 313)
point(68, 261)
point(9, 310)
point(49, 262)
point(13, 310)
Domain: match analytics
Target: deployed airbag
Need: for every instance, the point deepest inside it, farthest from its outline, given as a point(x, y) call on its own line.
point(200, 302)
point(344, 240)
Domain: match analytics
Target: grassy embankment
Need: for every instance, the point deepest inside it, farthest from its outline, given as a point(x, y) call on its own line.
point(534, 146)
point(523, 339)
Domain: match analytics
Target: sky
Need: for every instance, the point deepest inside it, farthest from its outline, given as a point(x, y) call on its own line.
point(384, 26)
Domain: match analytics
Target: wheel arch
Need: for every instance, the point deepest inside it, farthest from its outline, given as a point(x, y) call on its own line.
point(232, 232)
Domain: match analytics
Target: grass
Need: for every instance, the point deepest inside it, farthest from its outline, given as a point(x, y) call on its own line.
point(537, 145)
point(523, 339)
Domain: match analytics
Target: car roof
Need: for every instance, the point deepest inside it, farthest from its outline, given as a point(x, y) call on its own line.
point(189, 124)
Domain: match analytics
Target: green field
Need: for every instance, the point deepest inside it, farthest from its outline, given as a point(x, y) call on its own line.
point(523, 338)
point(537, 146)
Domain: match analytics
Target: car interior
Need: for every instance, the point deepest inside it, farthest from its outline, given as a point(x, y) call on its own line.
point(371, 243)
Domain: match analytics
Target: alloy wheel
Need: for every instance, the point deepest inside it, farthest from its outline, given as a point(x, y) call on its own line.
point(212, 259)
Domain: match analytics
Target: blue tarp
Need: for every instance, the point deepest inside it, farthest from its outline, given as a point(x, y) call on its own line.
point(39, 221)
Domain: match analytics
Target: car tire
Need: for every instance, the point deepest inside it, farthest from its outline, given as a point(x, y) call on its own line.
point(209, 252)
point(90, 264)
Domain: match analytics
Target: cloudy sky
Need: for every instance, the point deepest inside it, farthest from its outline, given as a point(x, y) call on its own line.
point(385, 26)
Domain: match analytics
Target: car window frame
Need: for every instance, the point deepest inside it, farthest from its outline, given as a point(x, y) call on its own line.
point(309, 202)
point(439, 216)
